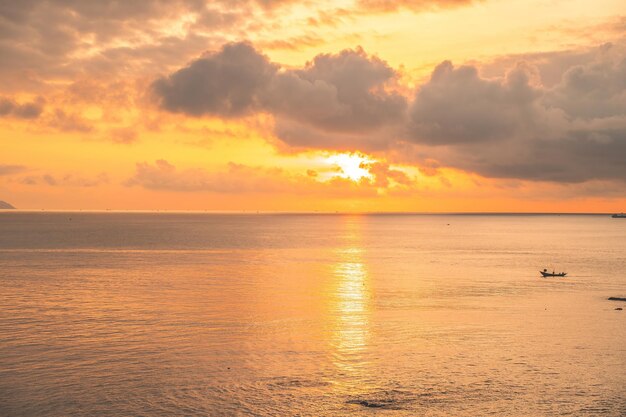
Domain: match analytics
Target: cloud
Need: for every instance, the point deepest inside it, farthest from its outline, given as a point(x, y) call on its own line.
point(593, 90)
point(513, 126)
point(550, 65)
point(510, 128)
point(294, 43)
point(68, 122)
point(67, 180)
point(458, 106)
point(61, 38)
point(162, 175)
point(6, 170)
point(414, 5)
point(383, 173)
point(296, 136)
point(341, 92)
point(228, 83)
point(237, 178)
point(9, 107)
point(344, 93)
point(123, 135)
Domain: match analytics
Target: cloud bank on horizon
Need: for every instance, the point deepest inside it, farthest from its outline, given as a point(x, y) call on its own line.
point(147, 88)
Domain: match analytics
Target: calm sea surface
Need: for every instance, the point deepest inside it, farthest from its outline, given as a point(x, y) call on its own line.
point(140, 314)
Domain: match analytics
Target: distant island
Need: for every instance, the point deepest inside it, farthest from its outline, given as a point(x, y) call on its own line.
point(5, 206)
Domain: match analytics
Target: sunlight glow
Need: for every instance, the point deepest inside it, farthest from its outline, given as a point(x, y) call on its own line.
point(350, 165)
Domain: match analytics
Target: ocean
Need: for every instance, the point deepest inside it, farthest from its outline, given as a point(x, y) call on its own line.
point(179, 314)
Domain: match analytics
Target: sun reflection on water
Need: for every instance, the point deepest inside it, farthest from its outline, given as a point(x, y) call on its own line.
point(350, 305)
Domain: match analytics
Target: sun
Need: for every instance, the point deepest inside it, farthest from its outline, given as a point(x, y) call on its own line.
point(351, 165)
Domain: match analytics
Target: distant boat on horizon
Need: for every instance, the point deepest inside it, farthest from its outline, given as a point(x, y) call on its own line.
point(545, 273)
point(619, 216)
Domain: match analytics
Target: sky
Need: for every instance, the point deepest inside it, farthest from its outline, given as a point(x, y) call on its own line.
point(282, 105)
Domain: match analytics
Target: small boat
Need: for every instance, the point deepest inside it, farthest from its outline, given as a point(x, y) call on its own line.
point(545, 273)
point(619, 216)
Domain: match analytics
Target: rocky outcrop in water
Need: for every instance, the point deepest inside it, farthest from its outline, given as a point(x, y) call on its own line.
point(372, 404)
point(388, 399)
point(5, 206)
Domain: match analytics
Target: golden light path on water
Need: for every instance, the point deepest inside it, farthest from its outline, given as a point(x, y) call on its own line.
point(350, 303)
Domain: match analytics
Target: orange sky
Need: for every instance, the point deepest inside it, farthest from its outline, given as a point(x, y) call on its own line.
point(363, 105)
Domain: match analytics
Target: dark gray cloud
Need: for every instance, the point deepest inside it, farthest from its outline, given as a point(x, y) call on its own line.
point(342, 92)
point(334, 95)
point(458, 106)
point(228, 83)
point(513, 127)
point(551, 65)
point(591, 91)
point(9, 107)
point(294, 135)
point(575, 156)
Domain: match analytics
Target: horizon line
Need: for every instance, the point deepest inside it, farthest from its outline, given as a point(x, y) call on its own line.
point(320, 212)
